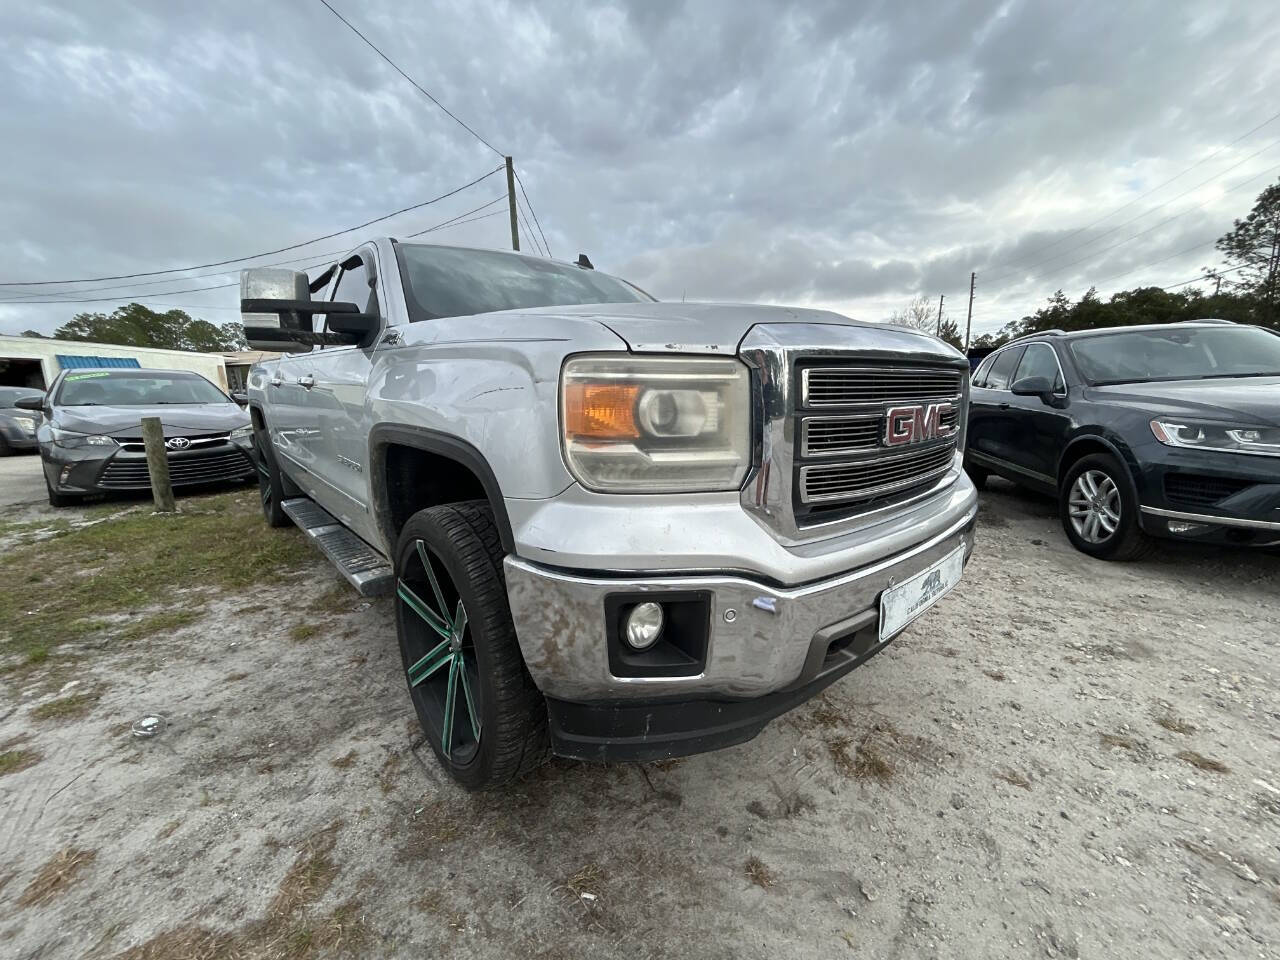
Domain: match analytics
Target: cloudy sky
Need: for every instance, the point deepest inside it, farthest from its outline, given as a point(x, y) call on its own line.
point(841, 154)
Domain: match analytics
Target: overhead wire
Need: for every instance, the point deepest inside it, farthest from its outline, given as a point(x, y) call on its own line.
point(532, 213)
point(1142, 196)
point(254, 256)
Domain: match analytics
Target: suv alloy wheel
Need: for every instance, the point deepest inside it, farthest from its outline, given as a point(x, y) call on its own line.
point(1099, 510)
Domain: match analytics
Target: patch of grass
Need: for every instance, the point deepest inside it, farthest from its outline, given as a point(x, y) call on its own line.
point(167, 830)
point(1174, 723)
point(137, 560)
point(587, 880)
point(300, 632)
point(390, 772)
point(1119, 740)
point(309, 876)
point(165, 621)
point(65, 708)
point(339, 598)
point(60, 873)
point(342, 763)
point(1202, 762)
point(1013, 777)
point(759, 874)
point(873, 755)
point(11, 761)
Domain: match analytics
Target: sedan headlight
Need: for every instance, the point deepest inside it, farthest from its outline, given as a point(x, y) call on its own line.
point(656, 424)
point(1231, 438)
point(26, 423)
point(242, 433)
point(75, 441)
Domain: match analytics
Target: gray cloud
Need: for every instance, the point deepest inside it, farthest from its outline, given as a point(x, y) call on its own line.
point(836, 154)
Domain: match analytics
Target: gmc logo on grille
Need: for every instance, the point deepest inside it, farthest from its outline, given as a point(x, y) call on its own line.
point(917, 424)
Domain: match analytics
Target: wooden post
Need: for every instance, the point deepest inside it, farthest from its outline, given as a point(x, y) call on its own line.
point(938, 332)
point(158, 464)
point(511, 203)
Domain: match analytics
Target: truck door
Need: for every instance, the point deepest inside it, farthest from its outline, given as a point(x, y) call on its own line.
point(339, 448)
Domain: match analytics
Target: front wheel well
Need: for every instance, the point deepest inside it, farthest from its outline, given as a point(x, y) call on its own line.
point(414, 473)
point(1079, 449)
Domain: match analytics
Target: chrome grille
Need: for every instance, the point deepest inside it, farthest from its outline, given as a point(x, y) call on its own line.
point(131, 473)
point(842, 386)
point(842, 416)
point(867, 479)
point(134, 444)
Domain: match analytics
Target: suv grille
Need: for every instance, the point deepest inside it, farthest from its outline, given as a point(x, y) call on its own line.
point(843, 416)
point(1193, 490)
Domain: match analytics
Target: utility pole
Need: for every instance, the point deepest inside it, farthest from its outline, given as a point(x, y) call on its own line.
point(511, 203)
point(968, 323)
point(938, 332)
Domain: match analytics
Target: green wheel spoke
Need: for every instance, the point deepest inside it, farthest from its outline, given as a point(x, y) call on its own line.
point(435, 584)
point(466, 693)
point(450, 698)
point(421, 609)
point(428, 665)
point(460, 620)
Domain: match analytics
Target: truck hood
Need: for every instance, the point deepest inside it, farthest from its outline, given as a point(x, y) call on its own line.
point(1244, 399)
point(705, 327)
point(179, 419)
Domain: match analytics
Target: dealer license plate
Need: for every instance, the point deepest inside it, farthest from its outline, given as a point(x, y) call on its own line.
point(902, 603)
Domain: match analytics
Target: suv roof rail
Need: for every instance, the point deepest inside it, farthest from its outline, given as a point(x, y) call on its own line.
point(1041, 333)
point(1210, 320)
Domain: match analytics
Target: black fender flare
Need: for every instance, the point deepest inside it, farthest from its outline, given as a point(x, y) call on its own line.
point(441, 444)
point(1120, 452)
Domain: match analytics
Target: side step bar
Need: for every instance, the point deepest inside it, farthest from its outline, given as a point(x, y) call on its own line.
point(365, 569)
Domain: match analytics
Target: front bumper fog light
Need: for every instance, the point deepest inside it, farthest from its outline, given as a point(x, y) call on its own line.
point(643, 625)
point(65, 475)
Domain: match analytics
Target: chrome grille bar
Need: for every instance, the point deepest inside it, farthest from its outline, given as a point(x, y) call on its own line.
point(866, 479)
point(843, 386)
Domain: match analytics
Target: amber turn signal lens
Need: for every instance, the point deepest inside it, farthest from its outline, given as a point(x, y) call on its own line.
point(601, 411)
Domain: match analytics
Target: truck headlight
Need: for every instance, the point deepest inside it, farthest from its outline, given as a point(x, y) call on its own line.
point(1231, 438)
point(75, 441)
point(656, 424)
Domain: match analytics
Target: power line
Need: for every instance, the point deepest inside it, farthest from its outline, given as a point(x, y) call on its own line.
point(446, 226)
point(1095, 253)
point(498, 199)
point(1204, 279)
point(254, 256)
point(529, 204)
point(372, 46)
point(529, 230)
point(1141, 196)
point(1106, 233)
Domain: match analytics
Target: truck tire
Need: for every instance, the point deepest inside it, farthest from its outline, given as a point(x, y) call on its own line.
point(479, 708)
point(1099, 510)
point(978, 475)
point(273, 487)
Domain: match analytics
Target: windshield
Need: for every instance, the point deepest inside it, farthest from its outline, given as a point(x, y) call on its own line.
point(11, 395)
point(1177, 353)
point(451, 282)
point(136, 390)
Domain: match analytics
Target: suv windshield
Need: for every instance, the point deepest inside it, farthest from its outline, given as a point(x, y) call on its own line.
point(136, 390)
point(11, 395)
point(1177, 353)
point(451, 282)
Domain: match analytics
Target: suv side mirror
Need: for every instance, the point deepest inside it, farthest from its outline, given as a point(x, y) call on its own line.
point(240, 397)
point(277, 310)
point(30, 403)
point(1033, 387)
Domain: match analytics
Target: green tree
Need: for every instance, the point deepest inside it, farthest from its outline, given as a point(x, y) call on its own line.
point(1253, 247)
point(950, 333)
point(138, 326)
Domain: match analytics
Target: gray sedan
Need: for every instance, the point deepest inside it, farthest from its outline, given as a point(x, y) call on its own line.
point(17, 426)
point(91, 438)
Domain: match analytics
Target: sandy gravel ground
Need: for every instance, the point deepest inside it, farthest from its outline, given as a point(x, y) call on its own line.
point(1065, 759)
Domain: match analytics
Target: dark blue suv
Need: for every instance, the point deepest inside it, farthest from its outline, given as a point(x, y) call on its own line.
point(1147, 431)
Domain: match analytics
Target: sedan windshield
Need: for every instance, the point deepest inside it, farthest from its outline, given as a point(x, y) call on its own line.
point(136, 390)
point(453, 282)
point(1177, 353)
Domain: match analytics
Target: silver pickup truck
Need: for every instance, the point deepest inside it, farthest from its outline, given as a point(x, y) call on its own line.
point(614, 528)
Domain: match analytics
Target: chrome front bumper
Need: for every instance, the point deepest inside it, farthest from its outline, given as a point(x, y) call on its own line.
point(762, 638)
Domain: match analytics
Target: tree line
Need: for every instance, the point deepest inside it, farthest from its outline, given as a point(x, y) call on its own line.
point(134, 325)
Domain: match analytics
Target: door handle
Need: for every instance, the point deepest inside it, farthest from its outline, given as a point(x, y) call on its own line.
point(276, 381)
point(307, 382)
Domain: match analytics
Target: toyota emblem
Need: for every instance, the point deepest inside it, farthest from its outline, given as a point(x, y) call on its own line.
point(177, 443)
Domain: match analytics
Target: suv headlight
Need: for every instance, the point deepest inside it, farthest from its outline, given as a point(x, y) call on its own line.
point(1232, 438)
point(656, 424)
